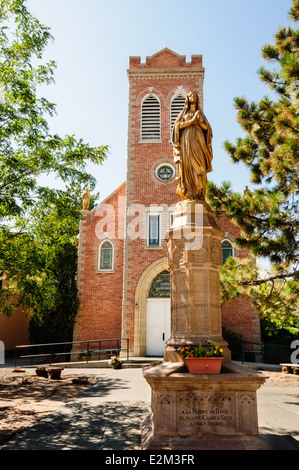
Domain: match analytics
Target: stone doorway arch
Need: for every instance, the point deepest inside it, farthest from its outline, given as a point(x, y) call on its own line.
point(142, 289)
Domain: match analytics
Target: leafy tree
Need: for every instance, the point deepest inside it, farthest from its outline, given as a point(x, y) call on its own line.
point(43, 266)
point(37, 223)
point(27, 148)
point(51, 295)
point(267, 215)
point(55, 323)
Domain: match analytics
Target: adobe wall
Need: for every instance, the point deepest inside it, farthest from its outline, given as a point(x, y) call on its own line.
point(14, 329)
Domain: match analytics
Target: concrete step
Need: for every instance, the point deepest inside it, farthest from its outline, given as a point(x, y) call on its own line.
point(132, 363)
point(139, 363)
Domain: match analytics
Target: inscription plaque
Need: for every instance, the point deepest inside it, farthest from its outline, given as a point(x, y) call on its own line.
point(206, 413)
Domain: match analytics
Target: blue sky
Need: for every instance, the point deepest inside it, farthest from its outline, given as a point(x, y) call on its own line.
point(93, 42)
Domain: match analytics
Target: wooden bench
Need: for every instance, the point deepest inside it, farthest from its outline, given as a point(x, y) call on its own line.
point(41, 371)
point(54, 372)
point(290, 368)
point(49, 371)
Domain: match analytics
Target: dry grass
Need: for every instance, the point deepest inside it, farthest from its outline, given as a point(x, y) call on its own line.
point(26, 398)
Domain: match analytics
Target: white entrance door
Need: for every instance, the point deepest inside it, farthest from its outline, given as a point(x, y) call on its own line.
point(157, 325)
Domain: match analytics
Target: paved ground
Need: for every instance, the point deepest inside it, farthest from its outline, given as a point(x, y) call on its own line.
point(278, 414)
point(108, 416)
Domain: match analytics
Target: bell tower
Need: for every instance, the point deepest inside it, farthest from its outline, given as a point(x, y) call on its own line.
point(157, 92)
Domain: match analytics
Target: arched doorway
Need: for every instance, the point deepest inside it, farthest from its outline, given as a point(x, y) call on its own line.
point(158, 315)
point(141, 297)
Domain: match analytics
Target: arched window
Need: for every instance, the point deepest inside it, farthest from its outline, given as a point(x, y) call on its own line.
point(160, 286)
point(227, 250)
point(176, 106)
point(106, 256)
point(150, 118)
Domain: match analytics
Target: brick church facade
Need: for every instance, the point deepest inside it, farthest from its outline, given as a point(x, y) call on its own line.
point(123, 278)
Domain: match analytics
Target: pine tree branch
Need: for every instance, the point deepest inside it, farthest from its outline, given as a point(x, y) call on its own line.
point(258, 282)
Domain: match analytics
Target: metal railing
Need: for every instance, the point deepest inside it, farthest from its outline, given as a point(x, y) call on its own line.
point(55, 351)
point(264, 353)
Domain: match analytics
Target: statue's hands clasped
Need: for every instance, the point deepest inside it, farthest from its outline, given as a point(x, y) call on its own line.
point(196, 117)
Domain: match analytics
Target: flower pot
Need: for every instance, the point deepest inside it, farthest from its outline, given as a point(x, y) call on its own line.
point(204, 365)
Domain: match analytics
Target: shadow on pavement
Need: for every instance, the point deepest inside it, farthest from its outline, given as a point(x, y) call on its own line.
point(279, 441)
point(80, 426)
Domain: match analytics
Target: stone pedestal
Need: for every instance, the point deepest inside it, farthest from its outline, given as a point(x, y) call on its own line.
point(195, 259)
point(200, 411)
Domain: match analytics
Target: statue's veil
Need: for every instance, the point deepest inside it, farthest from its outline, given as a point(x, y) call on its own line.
point(176, 131)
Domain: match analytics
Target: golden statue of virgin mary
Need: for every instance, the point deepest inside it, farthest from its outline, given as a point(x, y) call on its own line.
point(192, 149)
point(86, 199)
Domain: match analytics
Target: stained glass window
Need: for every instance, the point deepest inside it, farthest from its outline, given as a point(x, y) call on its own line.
point(160, 286)
point(106, 256)
point(165, 172)
point(227, 250)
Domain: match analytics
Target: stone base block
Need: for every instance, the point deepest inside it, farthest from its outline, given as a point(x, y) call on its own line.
point(202, 411)
point(201, 442)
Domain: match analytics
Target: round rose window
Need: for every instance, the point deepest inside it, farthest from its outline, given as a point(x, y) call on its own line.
point(165, 172)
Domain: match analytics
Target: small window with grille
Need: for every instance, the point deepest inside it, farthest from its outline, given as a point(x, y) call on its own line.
point(150, 118)
point(177, 105)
